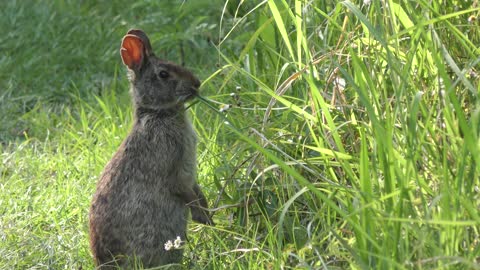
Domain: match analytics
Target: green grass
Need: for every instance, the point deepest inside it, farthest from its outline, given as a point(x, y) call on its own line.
point(351, 142)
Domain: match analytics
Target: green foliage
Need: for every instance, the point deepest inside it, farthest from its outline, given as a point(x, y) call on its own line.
point(332, 135)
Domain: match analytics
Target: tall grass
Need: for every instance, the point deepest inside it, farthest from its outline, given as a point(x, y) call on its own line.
point(332, 135)
point(364, 153)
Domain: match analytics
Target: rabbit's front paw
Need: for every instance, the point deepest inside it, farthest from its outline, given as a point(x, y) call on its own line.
point(199, 215)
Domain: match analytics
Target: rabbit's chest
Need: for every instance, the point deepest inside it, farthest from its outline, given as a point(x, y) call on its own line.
point(165, 151)
point(188, 161)
point(190, 142)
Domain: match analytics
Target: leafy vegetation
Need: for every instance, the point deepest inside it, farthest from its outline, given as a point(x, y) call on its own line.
point(332, 135)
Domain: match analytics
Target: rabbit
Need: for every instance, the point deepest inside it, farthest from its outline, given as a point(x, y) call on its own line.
point(145, 191)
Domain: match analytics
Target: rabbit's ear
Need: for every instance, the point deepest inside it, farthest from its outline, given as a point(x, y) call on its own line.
point(132, 51)
point(143, 37)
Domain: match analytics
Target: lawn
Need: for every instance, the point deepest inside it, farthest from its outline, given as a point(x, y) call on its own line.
point(332, 135)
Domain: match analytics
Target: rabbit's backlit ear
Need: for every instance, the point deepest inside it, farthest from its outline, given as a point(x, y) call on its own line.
point(132, 52)
point(143, 37)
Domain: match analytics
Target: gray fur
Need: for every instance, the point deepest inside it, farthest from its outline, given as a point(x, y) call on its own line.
point(146, 189)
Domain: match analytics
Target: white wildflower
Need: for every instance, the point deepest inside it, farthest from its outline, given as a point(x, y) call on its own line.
point(168, 245)
point(472, 19)
point(339, 83)
point(225, 107)
point(177, 243)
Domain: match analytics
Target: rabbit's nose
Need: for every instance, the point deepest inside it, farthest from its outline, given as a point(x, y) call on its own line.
point(196, 83)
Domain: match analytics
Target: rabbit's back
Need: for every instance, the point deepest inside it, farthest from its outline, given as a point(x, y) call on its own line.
point(134, 210)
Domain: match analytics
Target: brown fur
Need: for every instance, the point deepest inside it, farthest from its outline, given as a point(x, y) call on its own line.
point(145, 191)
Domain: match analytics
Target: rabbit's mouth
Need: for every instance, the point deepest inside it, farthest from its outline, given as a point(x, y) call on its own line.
point(187, 95)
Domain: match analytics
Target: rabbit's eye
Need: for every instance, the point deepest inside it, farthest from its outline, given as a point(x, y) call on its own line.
point(163, 74)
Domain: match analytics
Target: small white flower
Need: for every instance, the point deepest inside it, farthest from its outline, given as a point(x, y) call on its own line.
point(177, 243)
point(168, 245)
point(472, 19)
point(225, 107)
point(339, 83)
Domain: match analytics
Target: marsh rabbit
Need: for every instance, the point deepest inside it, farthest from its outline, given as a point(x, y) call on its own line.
point(145, 191)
